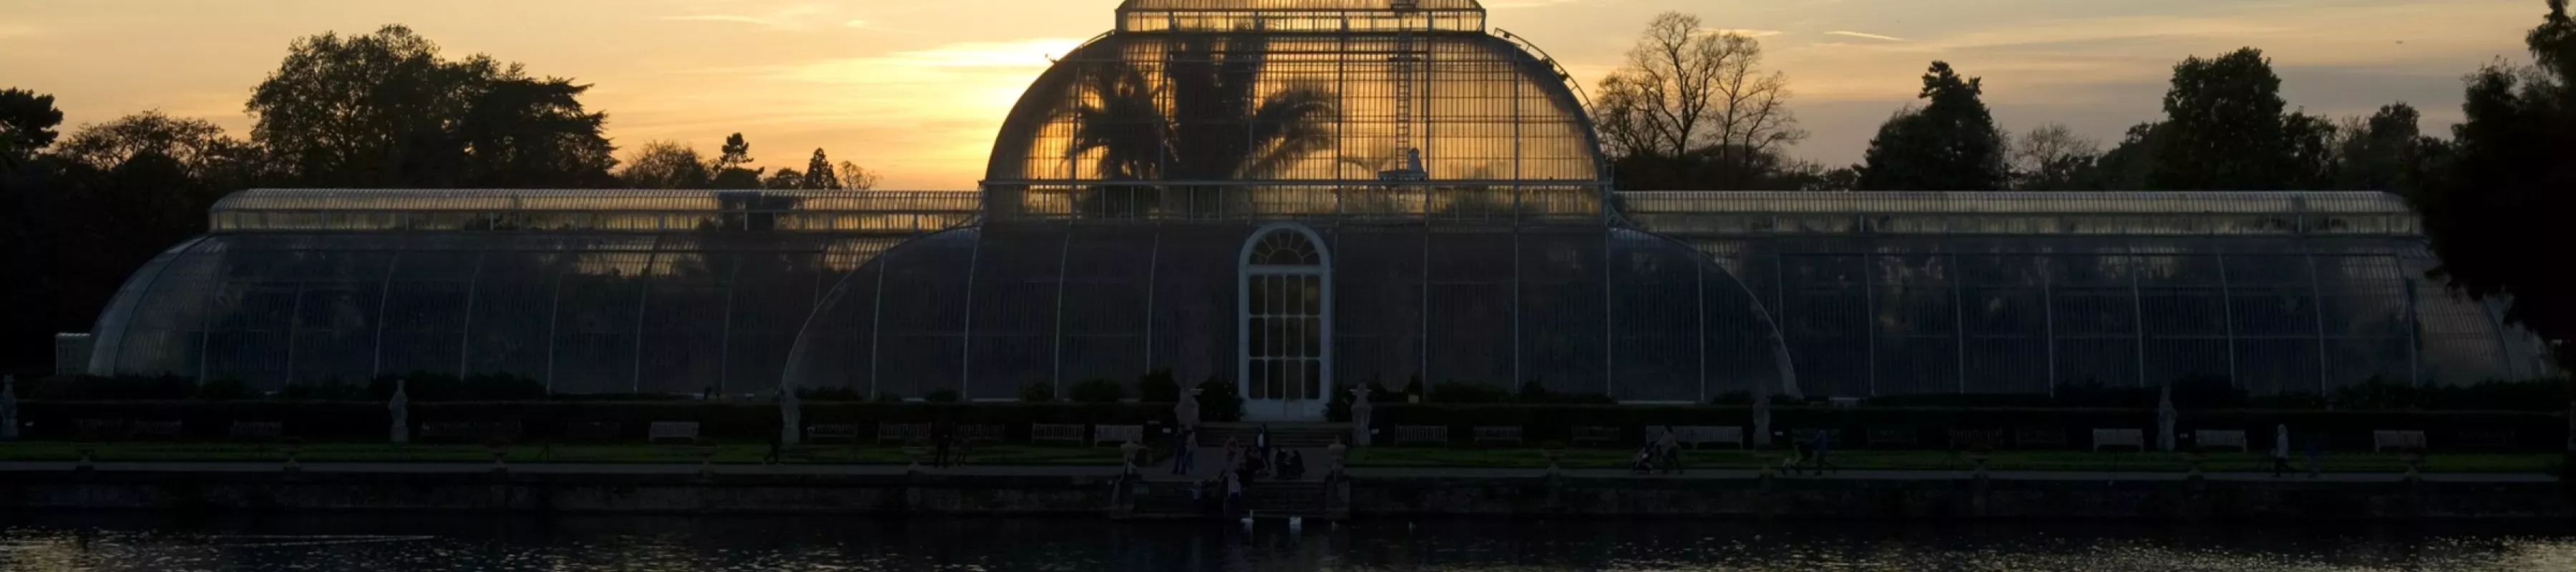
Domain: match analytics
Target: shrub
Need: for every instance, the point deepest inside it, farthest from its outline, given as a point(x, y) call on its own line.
point(1220, 400)
point(941, 395)
point(843, 393)
point(889, 397)
point(433, 387)
point(1413, 385)
point(1467, 393)
point(1098, 391)
point(225, 388)
point(1158, 387)
point(1040, 392)
point(91, 387)
point(326, 392)
point(1534, 392)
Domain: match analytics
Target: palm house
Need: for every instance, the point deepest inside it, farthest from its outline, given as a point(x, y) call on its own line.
point(1298, 197)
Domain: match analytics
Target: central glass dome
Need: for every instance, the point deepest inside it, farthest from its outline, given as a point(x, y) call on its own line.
point(1267, 109)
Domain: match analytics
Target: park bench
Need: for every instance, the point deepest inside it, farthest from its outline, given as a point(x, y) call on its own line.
point(1117, 434)
point(683, 431)
point(1601, 435)
point(2035, 438)
point(902, 432)
point(2136, 438)
point(2491, 439)
point(593, 432)
point(1498, 435)
point(1055, 433)
point(979, 433)
point(1976, 439)
point(257, 430)
point(2400, 440)
point(153, 430)
point(1802, 437)
point(450, 430)
point(2207, 439)
point(843, 432)
point(99, 428)
point(1698, 435)
point(1421, 434)
point(1892, 438)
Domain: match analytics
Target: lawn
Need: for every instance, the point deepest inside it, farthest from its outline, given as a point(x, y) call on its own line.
point(1939, 460)
point(538, 453)
point(1370, 457)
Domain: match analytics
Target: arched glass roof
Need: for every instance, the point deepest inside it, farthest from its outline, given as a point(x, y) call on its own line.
point(1261, 109)
point(619, 210)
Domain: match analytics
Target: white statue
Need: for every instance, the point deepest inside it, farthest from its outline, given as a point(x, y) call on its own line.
point(1360, 410)
point(791, 415)
point(1186, 413)
point(401, 407)
point(8, 408)
point(2165, 415)
point(1761, 418)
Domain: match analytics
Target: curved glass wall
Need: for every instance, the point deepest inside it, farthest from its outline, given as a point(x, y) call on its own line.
point(1579, 309)
point(1908, 293)
point(711, 296)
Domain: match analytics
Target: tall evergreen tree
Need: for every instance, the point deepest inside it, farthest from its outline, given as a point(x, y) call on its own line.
point(1950, 144)
point(819, 172)
point(2511, 181)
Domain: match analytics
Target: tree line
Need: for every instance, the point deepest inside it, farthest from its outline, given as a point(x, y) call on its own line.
point(1688, 110)
point(82, 208)
point(1692, 110)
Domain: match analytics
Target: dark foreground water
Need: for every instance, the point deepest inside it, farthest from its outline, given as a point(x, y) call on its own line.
point(397, 543)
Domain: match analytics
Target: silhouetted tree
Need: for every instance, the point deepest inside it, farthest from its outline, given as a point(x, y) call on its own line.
point(1950, 144)
point(856, 178)
point(784, 179)
point(523, 133)
point(385, 110)
point(2052, 157)
point(666, 165)
point(2501, 196)
point(27, 122)
point(1685, 92)
point(2224, 130)
point(2126, 166)
point(732, 169)
point(818, 172)
point(2384, 152)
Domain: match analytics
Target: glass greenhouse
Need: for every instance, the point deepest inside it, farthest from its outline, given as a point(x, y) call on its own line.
point(1300, 196)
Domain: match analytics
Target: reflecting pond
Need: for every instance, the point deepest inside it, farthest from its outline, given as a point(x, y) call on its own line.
point(386, 542)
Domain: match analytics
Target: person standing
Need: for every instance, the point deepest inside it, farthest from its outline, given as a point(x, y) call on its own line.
point(1669, 448)
point(1184, 452)
point(1817, 448)
point(2280, 450)
point(939, 433)
point(1261, 442)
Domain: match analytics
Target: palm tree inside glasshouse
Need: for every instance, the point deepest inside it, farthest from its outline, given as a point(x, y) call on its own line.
point(1206, 122)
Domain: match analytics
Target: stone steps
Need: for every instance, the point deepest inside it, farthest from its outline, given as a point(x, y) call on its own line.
point(1262, 498)
point(1292, 435)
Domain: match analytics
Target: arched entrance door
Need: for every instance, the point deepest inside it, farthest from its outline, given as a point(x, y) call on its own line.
point(1285, 331)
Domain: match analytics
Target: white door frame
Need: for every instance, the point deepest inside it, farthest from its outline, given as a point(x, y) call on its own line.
point(1314, 407)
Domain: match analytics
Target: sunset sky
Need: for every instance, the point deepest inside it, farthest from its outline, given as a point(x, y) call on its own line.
point(915, 89)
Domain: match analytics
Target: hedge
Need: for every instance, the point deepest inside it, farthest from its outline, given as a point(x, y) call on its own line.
point(2348, 430)
point(552, 420)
